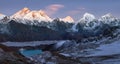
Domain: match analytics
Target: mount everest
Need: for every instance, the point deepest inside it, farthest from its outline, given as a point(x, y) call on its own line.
point(27, 25)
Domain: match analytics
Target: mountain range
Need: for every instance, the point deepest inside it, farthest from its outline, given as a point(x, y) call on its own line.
point(27, 25)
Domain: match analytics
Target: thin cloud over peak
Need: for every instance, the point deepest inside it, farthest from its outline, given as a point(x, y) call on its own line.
point(53, 8)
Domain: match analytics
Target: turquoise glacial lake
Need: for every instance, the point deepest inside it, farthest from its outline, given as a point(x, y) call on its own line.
point(29, 53)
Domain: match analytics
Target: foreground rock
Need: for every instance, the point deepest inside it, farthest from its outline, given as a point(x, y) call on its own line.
point(12, 58)
point(53, 58)
point(88, 51)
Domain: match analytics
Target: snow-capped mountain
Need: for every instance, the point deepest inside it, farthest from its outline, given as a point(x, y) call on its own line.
point(2, 16)
point(37, 15)
point(89, 21)
point(87, 17)
point(3, 24)
point(20, 14)
point(26, 15)
point(85, 21)
point(37, 22)
point(107, 18)
point(89, 24)
point(67, 19)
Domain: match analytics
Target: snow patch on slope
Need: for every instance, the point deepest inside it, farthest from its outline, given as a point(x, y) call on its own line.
point(59, 44)
point(74, 27)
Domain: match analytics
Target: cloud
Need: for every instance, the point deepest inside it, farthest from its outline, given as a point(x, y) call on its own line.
point(52, 9)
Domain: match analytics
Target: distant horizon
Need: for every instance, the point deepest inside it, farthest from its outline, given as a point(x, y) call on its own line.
point(61, 9)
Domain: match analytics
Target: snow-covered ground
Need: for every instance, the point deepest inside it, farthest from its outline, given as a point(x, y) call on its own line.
point(107, 49)
point(103, 47)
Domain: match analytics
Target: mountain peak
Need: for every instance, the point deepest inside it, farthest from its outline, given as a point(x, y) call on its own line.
point(26, 14)
point(2, 16)
point(108, 17)
point(88, 17)
point(37, 15)
point(68, 19)
point(20, 14)
point(25, 10)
